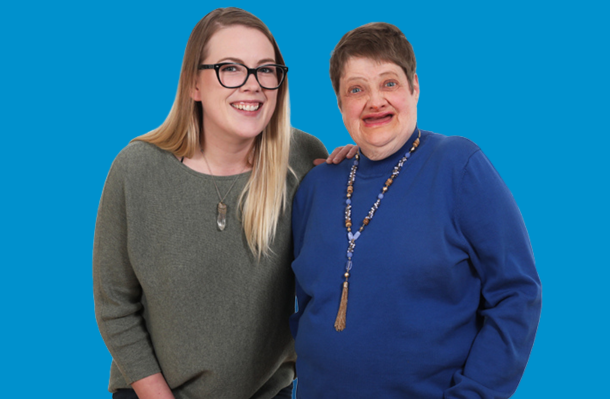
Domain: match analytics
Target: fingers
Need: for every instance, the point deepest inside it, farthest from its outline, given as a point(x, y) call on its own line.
point(339, 154)
point(333, 154)
point(352, 151)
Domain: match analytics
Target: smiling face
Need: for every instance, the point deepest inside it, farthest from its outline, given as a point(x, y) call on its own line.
point(235, 115)
point(378, 108)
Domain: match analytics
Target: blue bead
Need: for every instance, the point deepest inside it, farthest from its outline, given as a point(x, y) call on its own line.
point(348, 201)
point(349, 254)
point(407, 155)
point(380, 196)
point(355, 162)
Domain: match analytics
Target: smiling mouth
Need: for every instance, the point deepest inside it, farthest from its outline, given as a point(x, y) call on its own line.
point(246, 106)
point(378, 119)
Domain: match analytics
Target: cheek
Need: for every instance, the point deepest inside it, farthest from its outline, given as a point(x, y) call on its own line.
point(272, 99)
point(209, 89)
point(348, 121)
point(404, 105)
point(351, 113)
point(271, 105)
point(212, 97)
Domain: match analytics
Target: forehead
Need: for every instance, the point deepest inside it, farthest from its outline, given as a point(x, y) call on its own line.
point(368, 68)
point(239, 42)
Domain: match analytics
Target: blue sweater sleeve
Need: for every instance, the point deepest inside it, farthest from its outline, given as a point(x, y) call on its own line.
point(298, 219)
point(500, 253)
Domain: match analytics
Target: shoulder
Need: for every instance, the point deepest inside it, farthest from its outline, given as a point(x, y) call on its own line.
point(304, 148)
point(324, 177)
point(321, 183)
point(139, 154)
point(450, 148)
point(457, 146)
point(301, 138)
point(138, 158)
point(465, 163)
point(138, 151)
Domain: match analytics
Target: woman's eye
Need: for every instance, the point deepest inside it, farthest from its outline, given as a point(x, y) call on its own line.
point(228, 68)
point(390, 84)
point(265, 70)
point(354, 90)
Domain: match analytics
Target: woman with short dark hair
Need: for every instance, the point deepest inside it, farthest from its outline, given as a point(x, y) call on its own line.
point(416, 279)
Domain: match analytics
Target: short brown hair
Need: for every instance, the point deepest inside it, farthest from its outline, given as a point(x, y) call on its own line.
point(378, 41)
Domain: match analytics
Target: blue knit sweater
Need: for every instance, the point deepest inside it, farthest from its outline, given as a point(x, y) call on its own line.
point(444, 298)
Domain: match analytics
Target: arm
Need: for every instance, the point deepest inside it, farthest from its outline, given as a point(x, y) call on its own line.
point(117, 292)
point(501, 254)
point(301, 301)
point(152, 387)
point(298, 221)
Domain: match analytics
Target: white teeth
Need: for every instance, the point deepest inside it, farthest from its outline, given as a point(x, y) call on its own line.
point(246, 107)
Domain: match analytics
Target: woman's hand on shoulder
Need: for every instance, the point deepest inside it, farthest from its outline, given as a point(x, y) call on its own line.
point(339, 154)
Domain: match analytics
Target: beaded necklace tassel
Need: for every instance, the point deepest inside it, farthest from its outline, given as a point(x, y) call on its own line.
point(342, 313)
point(352, 237)
point(340, 321)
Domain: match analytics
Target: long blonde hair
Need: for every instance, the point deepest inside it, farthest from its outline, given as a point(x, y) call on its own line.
point(264, 196)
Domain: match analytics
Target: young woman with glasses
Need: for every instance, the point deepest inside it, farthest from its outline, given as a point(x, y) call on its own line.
point(192, 280)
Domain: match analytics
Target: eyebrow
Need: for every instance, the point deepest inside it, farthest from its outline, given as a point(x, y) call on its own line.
point(239, 61)
point(354, 78)
point(363, 78)
point(388, 73)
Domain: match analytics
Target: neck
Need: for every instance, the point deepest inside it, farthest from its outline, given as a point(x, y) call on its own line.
point(380, 167)
point(226, 158)
point(380, 153)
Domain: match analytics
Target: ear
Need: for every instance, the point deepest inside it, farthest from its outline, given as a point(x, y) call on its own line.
point(195, 92)
point(416, 86)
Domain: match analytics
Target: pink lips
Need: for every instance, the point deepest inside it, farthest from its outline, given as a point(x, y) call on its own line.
point(373, 120)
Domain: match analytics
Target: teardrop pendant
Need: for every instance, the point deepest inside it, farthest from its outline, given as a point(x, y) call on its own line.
point(221, 220)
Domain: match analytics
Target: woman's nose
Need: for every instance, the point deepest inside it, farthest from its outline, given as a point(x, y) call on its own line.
point(376, 100)
point(251, 83)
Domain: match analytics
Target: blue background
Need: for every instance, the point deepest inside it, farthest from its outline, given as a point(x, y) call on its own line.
point(527, 81)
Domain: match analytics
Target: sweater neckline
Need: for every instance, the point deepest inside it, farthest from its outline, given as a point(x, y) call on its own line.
point(369, 168)
point(176, 162)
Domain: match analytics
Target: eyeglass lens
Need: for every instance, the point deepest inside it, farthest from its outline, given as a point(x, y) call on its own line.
point(233, 75)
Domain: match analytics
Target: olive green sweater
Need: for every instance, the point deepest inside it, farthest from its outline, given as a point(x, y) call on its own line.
point(175, 295)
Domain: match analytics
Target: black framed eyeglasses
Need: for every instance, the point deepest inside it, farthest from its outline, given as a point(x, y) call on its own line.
point(233, 75)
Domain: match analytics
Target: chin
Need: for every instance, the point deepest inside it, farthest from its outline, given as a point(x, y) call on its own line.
point(379, 143)
point(250, 133)
point(248, 127)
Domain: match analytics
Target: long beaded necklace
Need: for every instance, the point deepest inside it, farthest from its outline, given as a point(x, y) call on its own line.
point(352, 237)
